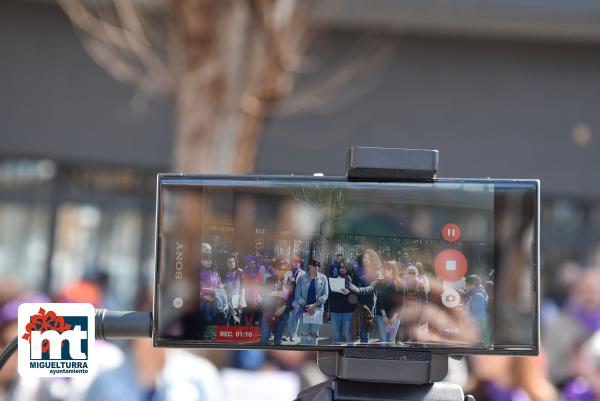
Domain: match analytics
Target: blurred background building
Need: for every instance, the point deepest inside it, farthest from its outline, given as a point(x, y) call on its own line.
point(502, 88)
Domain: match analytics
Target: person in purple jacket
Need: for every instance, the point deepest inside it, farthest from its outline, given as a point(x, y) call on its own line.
point(585, 386)
point(252, 281)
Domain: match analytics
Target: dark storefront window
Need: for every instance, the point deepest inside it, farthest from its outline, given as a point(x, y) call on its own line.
point(59, 221)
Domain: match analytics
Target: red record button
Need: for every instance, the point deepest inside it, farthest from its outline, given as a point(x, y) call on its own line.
point(450, 265)
point(451, 232)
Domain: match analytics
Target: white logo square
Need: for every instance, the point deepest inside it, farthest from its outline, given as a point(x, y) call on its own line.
point(56, 340)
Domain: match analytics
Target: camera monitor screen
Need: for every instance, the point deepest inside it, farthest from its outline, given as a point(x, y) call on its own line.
point(321, 263)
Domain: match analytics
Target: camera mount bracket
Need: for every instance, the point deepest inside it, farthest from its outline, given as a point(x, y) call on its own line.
point(385, 373)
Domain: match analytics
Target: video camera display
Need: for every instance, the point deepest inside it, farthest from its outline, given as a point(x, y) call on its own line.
point(321, 263)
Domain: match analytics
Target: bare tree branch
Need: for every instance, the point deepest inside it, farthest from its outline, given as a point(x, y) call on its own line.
point(358, 73)
point(226, 61)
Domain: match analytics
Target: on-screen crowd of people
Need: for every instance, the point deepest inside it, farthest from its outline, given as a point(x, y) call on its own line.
point(296, 303)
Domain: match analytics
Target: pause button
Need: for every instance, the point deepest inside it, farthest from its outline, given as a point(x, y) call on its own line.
point(451, 232)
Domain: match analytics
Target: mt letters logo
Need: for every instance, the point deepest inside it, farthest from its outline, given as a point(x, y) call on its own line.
point(56, 340)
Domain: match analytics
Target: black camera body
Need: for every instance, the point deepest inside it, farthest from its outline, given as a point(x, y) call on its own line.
point(431, 260)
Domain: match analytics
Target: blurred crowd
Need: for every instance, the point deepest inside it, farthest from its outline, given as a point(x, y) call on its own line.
point(134, 370)
point(568, 367)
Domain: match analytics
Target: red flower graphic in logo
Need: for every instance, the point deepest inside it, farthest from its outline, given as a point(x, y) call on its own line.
point(44, 321)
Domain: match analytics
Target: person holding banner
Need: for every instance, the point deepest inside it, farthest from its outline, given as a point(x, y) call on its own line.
point(339, 304)
point(312, 290)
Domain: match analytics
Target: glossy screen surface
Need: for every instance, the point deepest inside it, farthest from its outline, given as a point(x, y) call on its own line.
point(323, 264)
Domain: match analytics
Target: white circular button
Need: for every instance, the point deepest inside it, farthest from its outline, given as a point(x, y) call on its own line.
point(177, 303)
point(450, 298)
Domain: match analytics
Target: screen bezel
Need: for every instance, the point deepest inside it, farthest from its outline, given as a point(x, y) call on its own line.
point(198, 180)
